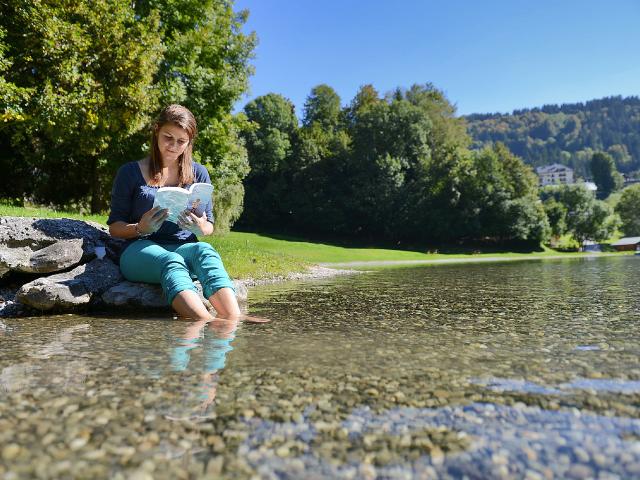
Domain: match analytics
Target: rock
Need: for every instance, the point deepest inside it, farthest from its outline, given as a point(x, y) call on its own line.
point(57, 256)
point(44, 245)
point(32, 245)
point(137, 295)
point(71, 290)
point(130, 294)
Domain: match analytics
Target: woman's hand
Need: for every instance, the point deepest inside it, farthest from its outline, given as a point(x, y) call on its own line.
point(195, 224)
point(152, 220)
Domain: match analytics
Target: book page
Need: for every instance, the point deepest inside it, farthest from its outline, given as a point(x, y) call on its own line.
point(178, 199)
point(200, 196)
point(173, 198)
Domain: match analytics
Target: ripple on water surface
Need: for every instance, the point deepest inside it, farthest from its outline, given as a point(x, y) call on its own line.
point(482, 371)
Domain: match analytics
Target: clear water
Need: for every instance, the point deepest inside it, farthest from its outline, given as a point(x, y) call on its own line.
point(505, 370)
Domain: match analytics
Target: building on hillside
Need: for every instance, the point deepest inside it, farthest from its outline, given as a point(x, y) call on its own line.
point(592, 187)
point(555, 174)
point(627, 243)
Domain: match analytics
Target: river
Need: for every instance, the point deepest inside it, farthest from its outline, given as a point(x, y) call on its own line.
point(525, 369)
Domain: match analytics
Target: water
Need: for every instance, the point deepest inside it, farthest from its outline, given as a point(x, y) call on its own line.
point(506, 370)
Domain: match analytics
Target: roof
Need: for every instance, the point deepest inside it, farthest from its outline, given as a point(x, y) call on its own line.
point(590, 186)
point(556, 167)
point(626, 241)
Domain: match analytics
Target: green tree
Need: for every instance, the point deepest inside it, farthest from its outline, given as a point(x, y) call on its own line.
point(269, 139)
point(86, 71)
point(501, 198)
point(605, 175)
point(557, 215)
point(87, 78)
point(206, 68)
point(586, 217)
point(323, 107)
point(628, 208)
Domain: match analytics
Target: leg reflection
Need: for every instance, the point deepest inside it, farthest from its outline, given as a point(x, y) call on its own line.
point(204, 347)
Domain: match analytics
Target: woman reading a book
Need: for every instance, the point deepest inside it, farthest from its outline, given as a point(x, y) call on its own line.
point(165, 252)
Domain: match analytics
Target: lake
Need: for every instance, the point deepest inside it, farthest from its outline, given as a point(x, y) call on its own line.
point(523, 369)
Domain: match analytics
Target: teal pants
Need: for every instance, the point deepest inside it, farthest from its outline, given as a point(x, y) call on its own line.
point(174, 266)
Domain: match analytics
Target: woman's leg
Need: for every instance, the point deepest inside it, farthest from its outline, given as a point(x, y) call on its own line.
point(146, 261)
point(203, 260)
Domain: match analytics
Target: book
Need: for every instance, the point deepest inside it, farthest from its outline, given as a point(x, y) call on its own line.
point(178, 199)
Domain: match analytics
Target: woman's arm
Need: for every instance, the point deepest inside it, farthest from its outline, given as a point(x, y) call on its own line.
point(123, 230)
point(149, 223)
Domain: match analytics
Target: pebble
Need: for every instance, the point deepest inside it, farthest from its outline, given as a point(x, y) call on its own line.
point(11, 452)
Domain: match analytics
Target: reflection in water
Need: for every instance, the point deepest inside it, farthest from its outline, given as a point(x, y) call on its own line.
point(214, 338)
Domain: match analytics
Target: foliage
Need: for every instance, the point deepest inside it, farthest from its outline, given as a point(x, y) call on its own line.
point(586, 218)
point(568, 134)
point(394, 169)
point(557, 216)
point(605, 175)
point(86, 79)
point(87, 74)
point(322, 107)
point(628, 208)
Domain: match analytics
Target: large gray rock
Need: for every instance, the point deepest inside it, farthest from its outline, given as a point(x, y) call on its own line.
point(45, 245)
point(70, 290)
point(143, 295)
point(56, 257)
point(35, 245)
point(133, 295)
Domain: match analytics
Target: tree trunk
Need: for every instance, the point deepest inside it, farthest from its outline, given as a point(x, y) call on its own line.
point(96, 190)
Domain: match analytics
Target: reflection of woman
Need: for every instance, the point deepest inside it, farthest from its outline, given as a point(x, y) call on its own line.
point(214, 337)
point(163, 252)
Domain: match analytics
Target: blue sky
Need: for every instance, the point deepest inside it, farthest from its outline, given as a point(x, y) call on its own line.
point(487, 56)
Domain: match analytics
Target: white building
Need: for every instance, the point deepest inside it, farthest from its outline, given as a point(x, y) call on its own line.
point(555, 174)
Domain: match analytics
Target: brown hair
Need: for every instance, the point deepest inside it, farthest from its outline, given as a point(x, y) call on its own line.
point(183, 118)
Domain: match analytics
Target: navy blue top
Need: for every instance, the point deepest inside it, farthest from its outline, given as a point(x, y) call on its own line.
point(131, 198)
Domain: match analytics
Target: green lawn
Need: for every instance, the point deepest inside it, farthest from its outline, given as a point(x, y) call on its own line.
point(262, 256)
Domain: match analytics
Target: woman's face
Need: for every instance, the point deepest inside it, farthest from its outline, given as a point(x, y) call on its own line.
point(172, 142)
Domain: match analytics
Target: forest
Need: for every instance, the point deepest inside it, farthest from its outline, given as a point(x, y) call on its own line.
point(568, 134)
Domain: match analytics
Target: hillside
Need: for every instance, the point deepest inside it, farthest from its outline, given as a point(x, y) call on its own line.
point(567, 133)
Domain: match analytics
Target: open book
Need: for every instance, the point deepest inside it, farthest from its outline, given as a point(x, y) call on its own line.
point(178, 199)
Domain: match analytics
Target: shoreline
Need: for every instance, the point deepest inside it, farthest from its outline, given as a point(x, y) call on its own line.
point(445, 261)
point(314, 272)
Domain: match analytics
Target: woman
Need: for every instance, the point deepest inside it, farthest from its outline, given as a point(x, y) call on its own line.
point(165, 252)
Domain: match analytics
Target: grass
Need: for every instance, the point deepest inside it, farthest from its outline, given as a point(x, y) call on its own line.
point(253, 255)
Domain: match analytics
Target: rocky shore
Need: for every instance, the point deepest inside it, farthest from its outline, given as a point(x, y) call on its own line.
point(62, 265)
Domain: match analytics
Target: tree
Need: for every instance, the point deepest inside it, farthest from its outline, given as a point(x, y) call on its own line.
point(500, 198)
point(557, 215)
point(586, 217)
point(605, 175)
point(628, 208)
point(87, 78)
point(269, 139)
point(323, 107)
point(86, 74)
point(206, 68)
